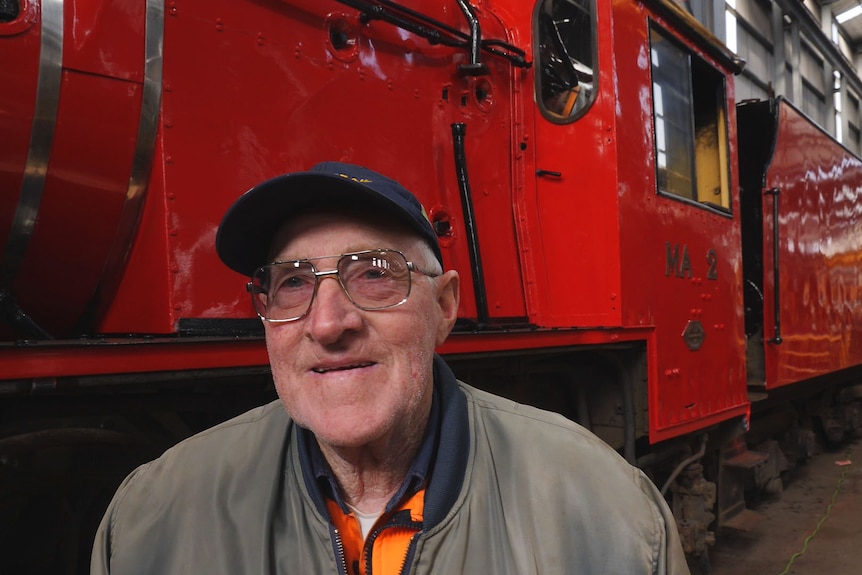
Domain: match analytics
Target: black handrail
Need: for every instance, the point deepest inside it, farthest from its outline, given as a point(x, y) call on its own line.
point(475, 67)
point(775, 192)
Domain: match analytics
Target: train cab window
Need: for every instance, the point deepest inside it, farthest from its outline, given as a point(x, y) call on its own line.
point(690, 119)
point(566, 37)
point(9, 10)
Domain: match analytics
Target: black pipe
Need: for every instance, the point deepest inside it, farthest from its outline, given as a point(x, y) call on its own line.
point(458, 132)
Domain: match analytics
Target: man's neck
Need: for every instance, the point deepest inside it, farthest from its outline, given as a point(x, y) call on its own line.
point(369, 476)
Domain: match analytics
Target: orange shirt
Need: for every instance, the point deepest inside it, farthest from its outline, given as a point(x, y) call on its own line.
point(388, 541)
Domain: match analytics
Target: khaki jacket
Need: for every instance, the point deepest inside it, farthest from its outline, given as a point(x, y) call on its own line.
point(514, 491)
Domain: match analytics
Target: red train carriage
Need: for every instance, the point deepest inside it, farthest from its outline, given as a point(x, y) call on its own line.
point(577, 159)
point(803, 217)
point(802, 238)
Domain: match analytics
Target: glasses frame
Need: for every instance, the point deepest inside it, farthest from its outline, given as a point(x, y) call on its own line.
point(411, 267)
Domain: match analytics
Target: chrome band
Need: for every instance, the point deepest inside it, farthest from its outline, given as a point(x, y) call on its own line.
point(141, 166)
point(41, 138)
point(151, 103)
point(144, 145)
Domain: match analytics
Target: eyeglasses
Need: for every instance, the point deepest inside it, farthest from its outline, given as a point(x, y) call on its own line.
point(372, 279)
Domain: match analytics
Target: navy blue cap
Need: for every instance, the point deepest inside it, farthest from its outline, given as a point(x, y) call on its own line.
point(247, 230)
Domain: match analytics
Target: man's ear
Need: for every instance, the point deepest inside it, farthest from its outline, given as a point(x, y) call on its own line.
point(448, 300)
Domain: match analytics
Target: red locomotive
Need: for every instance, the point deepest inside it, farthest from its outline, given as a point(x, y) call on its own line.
point(577, 158)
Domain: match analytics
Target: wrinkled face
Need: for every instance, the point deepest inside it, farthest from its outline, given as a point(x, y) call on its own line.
point(355, 377)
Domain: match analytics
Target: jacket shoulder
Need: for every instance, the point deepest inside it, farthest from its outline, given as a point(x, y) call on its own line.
point(529, 420)
point(549, 471)
point(230, 474)
point(233, 445)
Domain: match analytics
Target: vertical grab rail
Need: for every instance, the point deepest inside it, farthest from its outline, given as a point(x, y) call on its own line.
point(458, 132)
point(775, 192)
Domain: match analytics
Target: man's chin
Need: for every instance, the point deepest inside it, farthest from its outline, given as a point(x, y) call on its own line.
point(345, 434)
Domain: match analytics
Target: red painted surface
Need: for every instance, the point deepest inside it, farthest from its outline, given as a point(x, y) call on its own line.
point(388, 104)
point(19, 59)
point(49, 362)
point(251, 90)
point(820, 253)
point(84, 194)
point(688, 386)
point(91, 153)
point(105, 38)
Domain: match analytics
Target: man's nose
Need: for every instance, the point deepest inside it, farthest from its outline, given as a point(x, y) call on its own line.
point(332, 313)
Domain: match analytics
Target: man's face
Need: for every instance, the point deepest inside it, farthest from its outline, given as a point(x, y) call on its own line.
point(354, 377)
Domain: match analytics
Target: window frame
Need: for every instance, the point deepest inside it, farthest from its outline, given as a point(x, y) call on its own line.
point(539, 75)
point(721, 115)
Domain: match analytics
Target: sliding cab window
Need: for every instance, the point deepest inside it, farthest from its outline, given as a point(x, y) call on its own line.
point(690, 118)
point(565, 78)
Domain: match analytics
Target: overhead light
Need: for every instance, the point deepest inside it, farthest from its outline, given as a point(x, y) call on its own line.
point(852, 13)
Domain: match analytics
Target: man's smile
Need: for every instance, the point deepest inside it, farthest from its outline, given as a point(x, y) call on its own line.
point(342, 367)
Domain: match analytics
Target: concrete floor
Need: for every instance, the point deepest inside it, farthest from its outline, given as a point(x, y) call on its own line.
point(789, 519)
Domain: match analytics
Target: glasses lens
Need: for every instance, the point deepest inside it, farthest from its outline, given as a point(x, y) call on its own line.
point(283, 291)
point(375, 280)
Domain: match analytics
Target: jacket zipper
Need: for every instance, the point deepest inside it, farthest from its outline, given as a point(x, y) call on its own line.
point(409, 551)
point(369, 543)
point(339, 548)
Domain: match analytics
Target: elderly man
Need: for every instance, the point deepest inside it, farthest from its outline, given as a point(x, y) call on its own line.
point(376, 460)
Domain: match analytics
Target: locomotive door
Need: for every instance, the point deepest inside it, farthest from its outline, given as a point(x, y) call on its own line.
point(574, 169)
point(470, 118)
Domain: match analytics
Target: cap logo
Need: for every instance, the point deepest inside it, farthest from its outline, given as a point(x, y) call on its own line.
point(358, 180)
